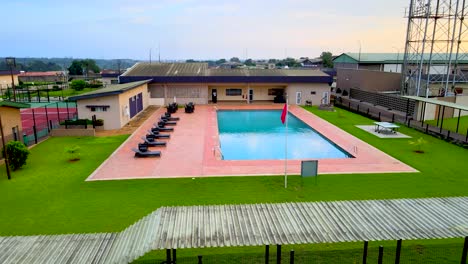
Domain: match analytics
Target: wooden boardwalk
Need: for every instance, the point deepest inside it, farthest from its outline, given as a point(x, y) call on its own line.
point(249, 225)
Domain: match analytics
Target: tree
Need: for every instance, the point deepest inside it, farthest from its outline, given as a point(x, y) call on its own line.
point(327, 61)
point(234, 59)
point(90, 65)
point(190, 61)
point(78, 85)
point(76, 68)
point(17, 154)
point(249, 62)
point(220, 61)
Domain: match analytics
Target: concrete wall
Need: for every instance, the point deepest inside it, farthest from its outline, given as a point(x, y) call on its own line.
point(307, 92)
point(11, 118)
point(462, 100)
point(366, 80)
point(5, 81)
point(123, 102)
point(116, 115)
point(90, 132)
point(111, 117)
point(260, 91)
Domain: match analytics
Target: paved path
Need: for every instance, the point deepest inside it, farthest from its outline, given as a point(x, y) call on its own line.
point(249, 225)
point(192, 151)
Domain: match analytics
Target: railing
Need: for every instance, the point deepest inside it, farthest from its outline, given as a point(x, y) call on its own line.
point(218, 148)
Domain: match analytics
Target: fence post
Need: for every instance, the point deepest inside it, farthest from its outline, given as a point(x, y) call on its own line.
point(367, 111)
point(58, 113)
point(200, 259)
point(35, 134)
point(398, 252)
point(358, 108)
point(349, 105)
point(291, 256)
point(465, 250)
point(409, 121)
point(50, 123)
point(427, 128)
point(47, 118)
point(393, 118)
point(267, 254)
point(380, 260)
point(364, 253)
point(466, 139)
point(68, 112)
point(442, 121)
point(174, 256)
point(168, 256)
point(278, 254)
point(448, 134)
point(379, 117)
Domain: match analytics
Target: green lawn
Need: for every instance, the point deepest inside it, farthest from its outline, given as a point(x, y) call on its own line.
point(49, 195)
point(451, 124)
point(67, 92)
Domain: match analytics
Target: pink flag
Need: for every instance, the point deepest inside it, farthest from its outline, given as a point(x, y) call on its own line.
point(284, 113)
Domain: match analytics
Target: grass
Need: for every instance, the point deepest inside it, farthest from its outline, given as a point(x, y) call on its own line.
point(49, 195)
point(451, 124)
point(67, 92)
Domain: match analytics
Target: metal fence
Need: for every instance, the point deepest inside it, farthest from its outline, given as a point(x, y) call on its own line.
point(37, 122)
point(382, 113)
point(396, 252)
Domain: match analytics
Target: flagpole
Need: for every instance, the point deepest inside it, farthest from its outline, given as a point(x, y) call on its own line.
point(286, 147)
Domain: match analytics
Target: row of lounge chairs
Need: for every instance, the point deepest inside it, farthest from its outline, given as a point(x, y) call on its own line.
point(190, 107)
point(153, 135)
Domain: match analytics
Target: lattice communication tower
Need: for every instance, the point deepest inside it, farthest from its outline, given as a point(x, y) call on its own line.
point(435, 46)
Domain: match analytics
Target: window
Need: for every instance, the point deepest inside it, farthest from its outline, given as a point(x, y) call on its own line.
point(98, 108)
point(313, 92)
point(233, 92)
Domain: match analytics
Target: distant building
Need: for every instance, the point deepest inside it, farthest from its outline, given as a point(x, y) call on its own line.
point(311, 63)
point(11, 120)
point(110, 77)
point(49, 76)
point(5, 78)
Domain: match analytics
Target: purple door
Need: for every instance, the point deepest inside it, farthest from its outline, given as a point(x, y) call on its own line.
point(139, 102)
point(132, 102)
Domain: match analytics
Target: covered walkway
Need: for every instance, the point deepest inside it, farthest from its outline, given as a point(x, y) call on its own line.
point(249, 225)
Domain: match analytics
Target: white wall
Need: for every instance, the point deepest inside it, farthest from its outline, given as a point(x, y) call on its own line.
point(307, 90)
point(392, 67)
point(461, 100)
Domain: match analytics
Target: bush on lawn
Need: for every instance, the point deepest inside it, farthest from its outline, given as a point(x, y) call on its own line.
point(17, 154)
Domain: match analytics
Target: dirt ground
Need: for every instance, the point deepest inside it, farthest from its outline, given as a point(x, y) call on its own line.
point(132, 125)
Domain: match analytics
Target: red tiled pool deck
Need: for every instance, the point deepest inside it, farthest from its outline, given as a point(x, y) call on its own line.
point(192, 151)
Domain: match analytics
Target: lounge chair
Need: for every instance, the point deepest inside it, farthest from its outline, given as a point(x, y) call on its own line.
point(189, 108)
point(157, 135)
point(143, 151)
point(144, 154)
point(166, 122)
point(159, 128)
point(168, 116)
point(152, 142)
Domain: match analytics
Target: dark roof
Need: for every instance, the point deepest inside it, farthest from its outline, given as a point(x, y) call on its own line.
point(199, 72)
point(7, 72)
point(377, 58)
point(109, 90)
point(14, 104)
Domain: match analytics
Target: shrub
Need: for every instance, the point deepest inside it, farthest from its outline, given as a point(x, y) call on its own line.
point(99, 122)
point(56, 88)
point(73, 153)
point(17, 154)
point(78, 85)
point(418, 143)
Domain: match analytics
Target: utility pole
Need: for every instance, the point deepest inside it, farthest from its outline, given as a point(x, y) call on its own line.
point(5, 155)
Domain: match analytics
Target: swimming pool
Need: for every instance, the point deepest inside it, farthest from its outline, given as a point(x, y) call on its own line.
point(260, 135)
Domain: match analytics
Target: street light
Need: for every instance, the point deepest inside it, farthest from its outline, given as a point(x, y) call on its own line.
point(11, 62)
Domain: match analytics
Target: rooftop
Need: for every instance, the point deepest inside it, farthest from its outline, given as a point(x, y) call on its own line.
point(109, 90)
point(398, 57)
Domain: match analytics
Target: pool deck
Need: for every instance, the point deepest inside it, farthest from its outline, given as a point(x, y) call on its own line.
point(192, 151)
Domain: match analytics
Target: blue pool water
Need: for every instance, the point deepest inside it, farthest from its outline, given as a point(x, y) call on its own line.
point(260, 135)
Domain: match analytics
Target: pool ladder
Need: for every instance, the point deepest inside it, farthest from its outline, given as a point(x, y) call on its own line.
point(219, 150)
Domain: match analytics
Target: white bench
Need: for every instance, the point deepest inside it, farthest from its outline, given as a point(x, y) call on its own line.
point(385, 127)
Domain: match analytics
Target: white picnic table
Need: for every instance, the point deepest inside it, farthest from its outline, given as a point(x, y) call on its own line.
point(385, 127)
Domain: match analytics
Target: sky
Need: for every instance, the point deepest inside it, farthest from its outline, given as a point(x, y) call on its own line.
point(199, 29)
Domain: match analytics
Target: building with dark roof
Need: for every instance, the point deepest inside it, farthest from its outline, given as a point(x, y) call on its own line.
point(195, 82)
point(115, 104)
